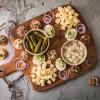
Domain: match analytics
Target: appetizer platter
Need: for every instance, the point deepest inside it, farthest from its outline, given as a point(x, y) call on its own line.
point(52, 48)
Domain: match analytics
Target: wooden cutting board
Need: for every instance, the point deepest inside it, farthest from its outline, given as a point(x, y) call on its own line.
point(55, 43)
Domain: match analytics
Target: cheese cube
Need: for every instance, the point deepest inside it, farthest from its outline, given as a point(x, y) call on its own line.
point(47, 71)
point(38, 83)
point(42, 77)
point(60, 9)
point(33, 75)
point(75, 62)
point(73, 57)
point(76, 14)
point(43, 84)
point(69, 26)
point(62, 22)
point(51, 65)
point(53, 79)
point(57, 15)
point(70, 17)
point(72, 11)
point(39, 67)
point(43, 67)
point(51, 72)
point(57, 21)
point(33, 69)
point(67, 21)
point(63, 28)
point(49, 62)
point(70, 60)
point(78, 21)
point(38, 79)
point(54, 69)
point(49, 76)
point(46, 77)
point(41, 81)
point(43, 72)
point(49, 82)
point(34, 80)
point(74, 24)
point(38, 73)
point(68, 8)
point(54, 75)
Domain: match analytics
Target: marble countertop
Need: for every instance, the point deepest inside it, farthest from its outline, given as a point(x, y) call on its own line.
point(77, 89)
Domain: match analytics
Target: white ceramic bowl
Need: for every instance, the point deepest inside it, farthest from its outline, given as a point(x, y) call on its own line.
point(42, 32)
point(69, 43)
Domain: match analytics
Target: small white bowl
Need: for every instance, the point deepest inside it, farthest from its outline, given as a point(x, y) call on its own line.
point(69, 43)
point(42, 32)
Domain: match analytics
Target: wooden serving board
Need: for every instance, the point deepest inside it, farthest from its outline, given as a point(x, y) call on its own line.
point(55, 44)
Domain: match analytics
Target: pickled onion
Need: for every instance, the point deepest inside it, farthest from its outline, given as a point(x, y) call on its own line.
point(81, 28)
point(63, 75)
point(20, 64)
point(18, 67)
point(47, 18)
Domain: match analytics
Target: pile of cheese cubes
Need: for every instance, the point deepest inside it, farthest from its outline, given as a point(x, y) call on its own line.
point(67, 17)
point(44, 74)
point(74, 53)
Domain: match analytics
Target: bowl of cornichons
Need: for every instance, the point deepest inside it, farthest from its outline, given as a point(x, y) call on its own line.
point(36, 42)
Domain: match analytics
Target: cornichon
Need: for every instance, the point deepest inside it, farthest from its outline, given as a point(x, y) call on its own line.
point(39, 35)
point(33, 40)
point(38, 38)
point(27, 45)
point(30, 43)
point(44, 44)
point(38, 46)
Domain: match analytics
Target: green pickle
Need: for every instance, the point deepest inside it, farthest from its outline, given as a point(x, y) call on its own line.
point(27, 45)
point(45, 42)
point(38, 46)
point(38, 38)
point(33, 40)
point(39, 35)
point(30, 43)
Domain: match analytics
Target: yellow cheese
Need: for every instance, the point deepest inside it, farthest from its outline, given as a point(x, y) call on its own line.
point(49, 82)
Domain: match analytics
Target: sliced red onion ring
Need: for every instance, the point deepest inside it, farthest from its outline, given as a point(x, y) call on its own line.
point(23, 66)
point(47, 18)
point(67, 75)
point(81, 28)
point(63, 75)
point(52, 14)
point(20, 61)
point(17, 59)
point(17, 65)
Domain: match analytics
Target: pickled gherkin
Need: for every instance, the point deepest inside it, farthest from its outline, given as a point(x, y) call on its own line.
point(27, 45)
point(30, 43)
point(33, 40)
point(44, 44)
point(39, 35)
point(38, 46)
